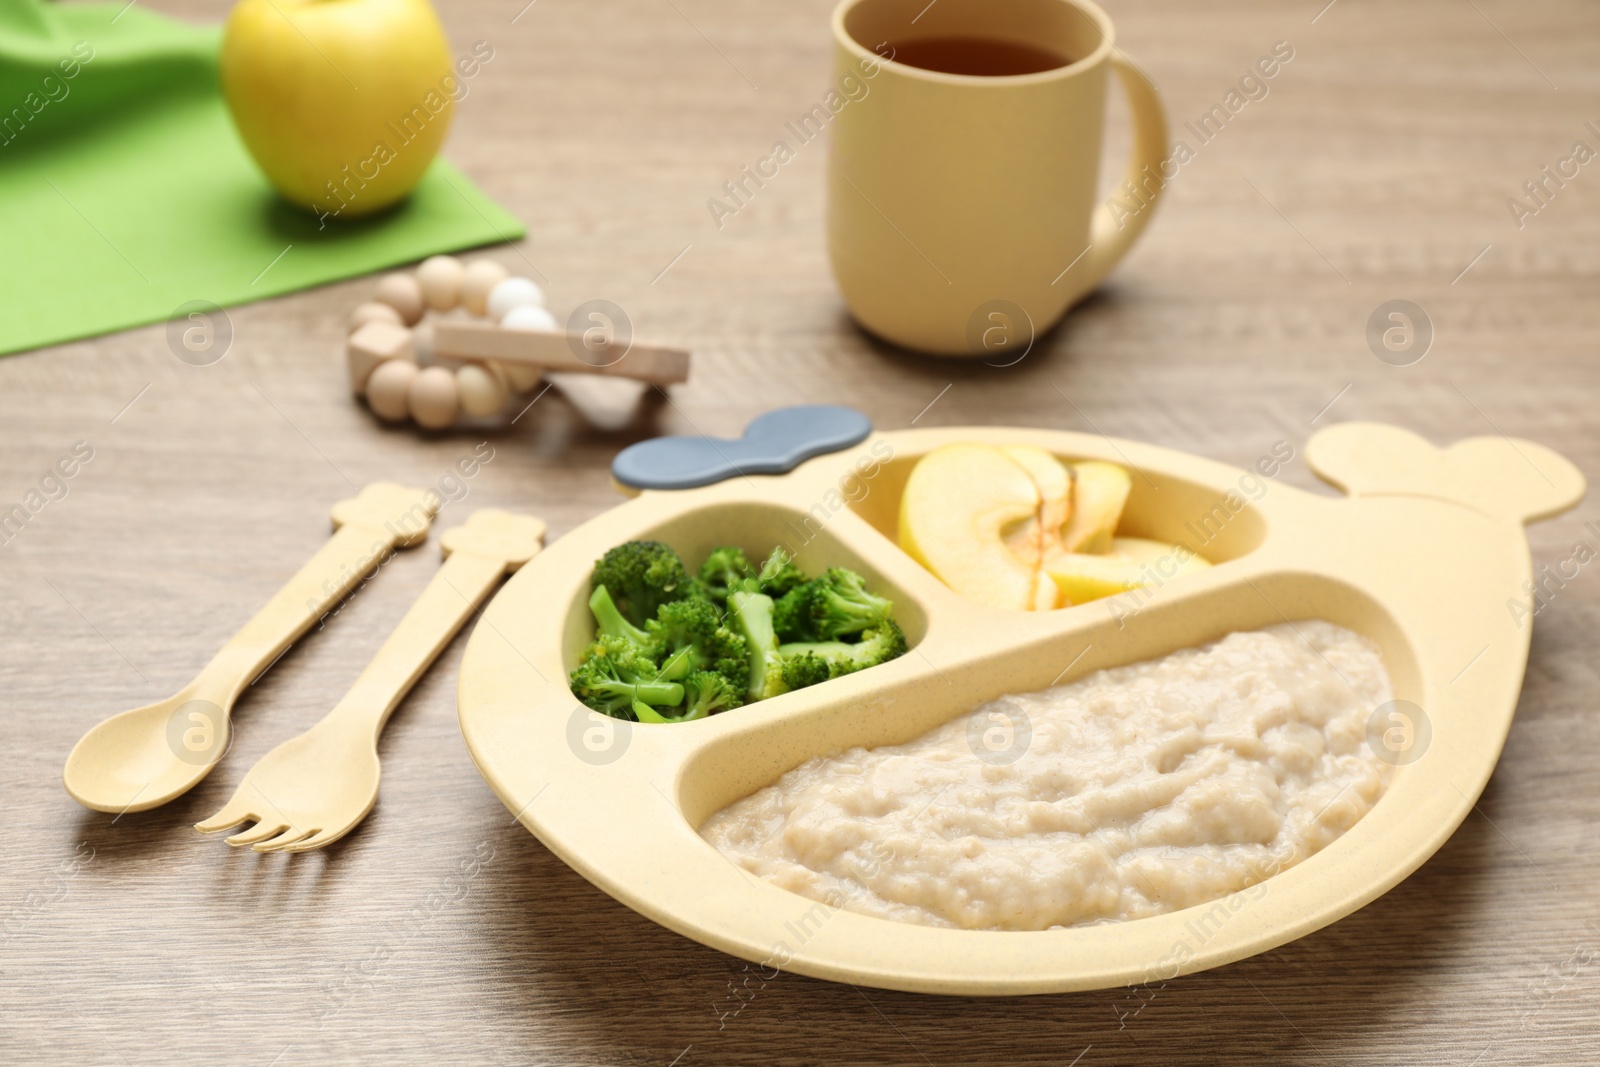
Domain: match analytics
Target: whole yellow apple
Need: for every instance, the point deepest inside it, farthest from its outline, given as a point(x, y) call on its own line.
point(343, 103)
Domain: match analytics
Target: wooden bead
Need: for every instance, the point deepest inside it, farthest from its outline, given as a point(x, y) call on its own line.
point(389, 387)
point(513, 293)
point(480, 277)
point(521, 377)
point(498, 369)
point(372, 344)
point(433, 398)
point(401, 292)
point(440, 278)
point(373, 312)
point(482, 393)
point(422, 340)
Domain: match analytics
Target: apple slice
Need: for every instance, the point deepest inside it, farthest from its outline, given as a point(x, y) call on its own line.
point(1039, 538)
point(1099, 493)
point(958, 504)
point(1129, 563)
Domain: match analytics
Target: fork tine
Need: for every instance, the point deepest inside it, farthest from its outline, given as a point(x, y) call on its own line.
point(317, 840)
point(232, 814)
point(260, 832)
point(288, 837)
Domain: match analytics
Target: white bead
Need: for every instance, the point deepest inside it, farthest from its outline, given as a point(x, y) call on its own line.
point(433, 398)
point(609, 403)
point(513, 293)
point(388, 387)
point(401, 292)
point(530, 318)
point(482, 393)
point(481, 276)
point(440, 278)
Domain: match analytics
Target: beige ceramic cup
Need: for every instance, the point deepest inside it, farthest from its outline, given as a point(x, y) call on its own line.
point(962, 209)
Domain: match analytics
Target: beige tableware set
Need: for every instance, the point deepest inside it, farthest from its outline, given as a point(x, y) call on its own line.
point(1421, 557)
point(315, 788)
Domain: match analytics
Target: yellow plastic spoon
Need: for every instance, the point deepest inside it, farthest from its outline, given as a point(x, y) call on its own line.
point(143, 758)
point(315, 788)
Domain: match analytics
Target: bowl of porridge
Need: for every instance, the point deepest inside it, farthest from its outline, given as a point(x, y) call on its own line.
point(1109, 793)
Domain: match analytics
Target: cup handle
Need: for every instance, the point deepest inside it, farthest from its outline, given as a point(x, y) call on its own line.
point(1116, 226)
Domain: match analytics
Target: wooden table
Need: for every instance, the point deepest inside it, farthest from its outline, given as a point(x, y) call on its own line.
point(1377, 168)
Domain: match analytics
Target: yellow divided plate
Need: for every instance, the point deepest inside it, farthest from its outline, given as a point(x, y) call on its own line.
point(1425, 556)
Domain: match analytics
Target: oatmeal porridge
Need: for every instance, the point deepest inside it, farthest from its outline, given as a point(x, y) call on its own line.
point(1128, 793)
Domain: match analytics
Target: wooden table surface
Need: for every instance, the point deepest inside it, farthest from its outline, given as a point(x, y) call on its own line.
point(1378, 167)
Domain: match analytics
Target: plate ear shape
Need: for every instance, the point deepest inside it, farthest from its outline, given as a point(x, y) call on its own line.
point(1500, 476)
point(1519, 479)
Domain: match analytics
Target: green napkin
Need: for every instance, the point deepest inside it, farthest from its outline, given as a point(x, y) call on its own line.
point(125, 192)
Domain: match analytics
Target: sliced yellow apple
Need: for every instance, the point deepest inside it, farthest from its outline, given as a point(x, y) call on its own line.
point(1099, 493)
point(958, 504)
point(1129, 563)
point(1039, 538)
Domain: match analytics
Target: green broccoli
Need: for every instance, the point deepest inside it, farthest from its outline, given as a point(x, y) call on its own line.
point(779, 574)
point(610, 623)
point(641, 576)
point(690, 635)
point(801, 669)
point(725, 570)
point(616, 678)
point(672, 647)
point(830, 607)
point(752, 618)
point(880, 644)
point(705, 693)
point(708, 692)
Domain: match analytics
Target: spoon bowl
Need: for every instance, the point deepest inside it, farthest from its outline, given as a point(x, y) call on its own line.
point(142, 758)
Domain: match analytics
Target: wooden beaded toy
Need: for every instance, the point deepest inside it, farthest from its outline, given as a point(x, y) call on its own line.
point(393, 352)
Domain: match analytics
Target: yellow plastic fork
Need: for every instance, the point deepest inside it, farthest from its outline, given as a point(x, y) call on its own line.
point(315, 788)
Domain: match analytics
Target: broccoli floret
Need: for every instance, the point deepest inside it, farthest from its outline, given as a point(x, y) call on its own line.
point(791, 614)
point(752, 619)
point(779, 573)
point(690, 635)
point(616, 678)
point(609, 622)
point(642, 575)
point(880, 644)
point(705, 693)
point(708, 692)
point(830, 607)
point(725, 570)
point(801, 669)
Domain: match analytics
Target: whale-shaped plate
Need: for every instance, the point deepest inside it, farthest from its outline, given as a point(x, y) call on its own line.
point(1425, 555)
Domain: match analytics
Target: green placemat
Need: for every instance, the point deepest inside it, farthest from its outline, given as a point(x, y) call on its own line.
point(125, 192)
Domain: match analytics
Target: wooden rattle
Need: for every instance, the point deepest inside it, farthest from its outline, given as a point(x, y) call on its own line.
point(390, 349)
